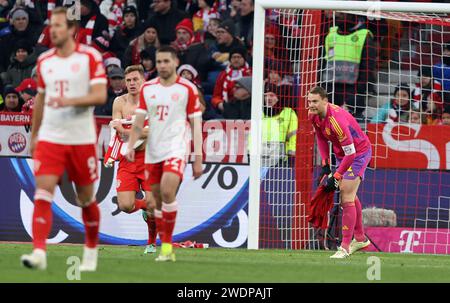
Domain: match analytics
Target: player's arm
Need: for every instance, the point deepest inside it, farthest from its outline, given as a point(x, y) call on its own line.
point(195, 119)
point(117, 116)
point(341, 128)
point(38, 110)
point(196, 127)
point(135, 133)
point(324, 150)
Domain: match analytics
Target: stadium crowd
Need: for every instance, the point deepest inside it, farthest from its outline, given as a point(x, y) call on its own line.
point(213, 39)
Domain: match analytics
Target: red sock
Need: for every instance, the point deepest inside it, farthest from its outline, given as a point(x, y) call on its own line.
point(151, 225)
point(138, 205)
point(91, 220)
point(159, 224)
point(348, 223)
point(42, 218)
point(169, 212)
point(359, 226)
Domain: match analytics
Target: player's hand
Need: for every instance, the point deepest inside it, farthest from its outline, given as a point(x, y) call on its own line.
point(57, 102)
point(333, 182)
point(197, 169)
point(115, 124)
point(130, 155)
point(326, 170)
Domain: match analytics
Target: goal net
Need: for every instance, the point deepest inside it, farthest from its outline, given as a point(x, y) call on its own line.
point(388, 65)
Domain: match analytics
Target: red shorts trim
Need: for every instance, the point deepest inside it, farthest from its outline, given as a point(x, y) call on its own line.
point(155, 170)
point(131, 175)
point(80, 161)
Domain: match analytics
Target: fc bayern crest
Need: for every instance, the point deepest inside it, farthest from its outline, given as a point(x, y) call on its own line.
point(17, 143)
point(175, 97)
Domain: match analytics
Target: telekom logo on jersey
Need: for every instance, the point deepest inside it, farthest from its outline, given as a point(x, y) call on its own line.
point(162, 111)
point(62, 87)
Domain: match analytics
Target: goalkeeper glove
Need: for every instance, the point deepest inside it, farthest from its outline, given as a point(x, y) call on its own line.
point(326, 170)
point(333, 182)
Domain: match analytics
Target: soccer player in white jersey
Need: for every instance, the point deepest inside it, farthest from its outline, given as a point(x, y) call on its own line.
point(170, 102)
point(71, 81)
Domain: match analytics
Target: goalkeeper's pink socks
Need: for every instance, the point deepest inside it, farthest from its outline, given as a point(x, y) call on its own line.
point(359, 226)
point(169, 215)
point(42, 218)
point(91, 220)
point(348, 223)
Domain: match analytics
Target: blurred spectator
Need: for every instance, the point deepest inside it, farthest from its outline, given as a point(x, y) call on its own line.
point(21, 30)
point(187, 6)
point(116, 88)
point(144, 7)
point(397, 110)
point(5, 7)
point(208, 10)
point(350, 60)
point(238, 68)
point(102, 44)
point(416, 117)
point(280, 122)
point(27, 90)
point(166, 19)
point(147, 60)
point(93, 24)
point(191, 53)
point(125, 33)
point(240, 105)
point(245, 23)
point(113, 11)
point(148, 39)
point(111, 63)
point(233, 10)
point(271, 42)
point(210, 36)
point(188, 72)
point(427, 86)
point(12, 101)
point(446, 116)
point(441, 71)
point(21, 64)
point(278, 72)
point(225, 42)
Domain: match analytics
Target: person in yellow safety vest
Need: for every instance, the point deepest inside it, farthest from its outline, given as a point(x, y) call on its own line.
point(279, 123)
point(350, 55)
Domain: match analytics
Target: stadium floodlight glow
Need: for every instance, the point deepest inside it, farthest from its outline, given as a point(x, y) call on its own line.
point(298, 7)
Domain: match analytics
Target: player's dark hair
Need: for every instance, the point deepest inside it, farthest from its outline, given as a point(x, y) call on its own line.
point(168, 49)
point(71, 22)
point(317, 90)
point(135, 68)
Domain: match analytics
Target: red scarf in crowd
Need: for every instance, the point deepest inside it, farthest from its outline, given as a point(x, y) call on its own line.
point(232, 76)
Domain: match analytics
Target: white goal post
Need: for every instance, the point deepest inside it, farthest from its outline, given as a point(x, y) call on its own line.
point(258, 81)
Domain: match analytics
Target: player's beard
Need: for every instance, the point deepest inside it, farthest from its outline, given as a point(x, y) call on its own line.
point(166, 75)
point(61, 42)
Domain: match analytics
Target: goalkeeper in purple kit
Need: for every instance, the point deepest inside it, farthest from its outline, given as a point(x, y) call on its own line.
point(353, 153)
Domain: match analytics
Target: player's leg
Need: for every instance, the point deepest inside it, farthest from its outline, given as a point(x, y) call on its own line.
point(156, 194)
point(42, 221)
point(149, 218)
point(169, 186)
point(128, 202)
point(348, 189)
point(82, 169)
point(127, 187)
point(49, 164)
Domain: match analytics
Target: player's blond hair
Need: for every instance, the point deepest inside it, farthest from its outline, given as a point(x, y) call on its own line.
point(317, 90)
point(135, 68)
point(61, 10)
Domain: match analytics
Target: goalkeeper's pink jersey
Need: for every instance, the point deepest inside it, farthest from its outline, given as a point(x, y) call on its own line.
point(343, 131)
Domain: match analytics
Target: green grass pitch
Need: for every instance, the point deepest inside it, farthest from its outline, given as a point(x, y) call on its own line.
point(129, 264)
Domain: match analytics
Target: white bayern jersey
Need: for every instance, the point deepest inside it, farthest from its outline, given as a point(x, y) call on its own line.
point(69, 77)
point(168, 109)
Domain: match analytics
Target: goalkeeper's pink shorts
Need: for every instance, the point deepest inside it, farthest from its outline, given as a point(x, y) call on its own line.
point(358, 166)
